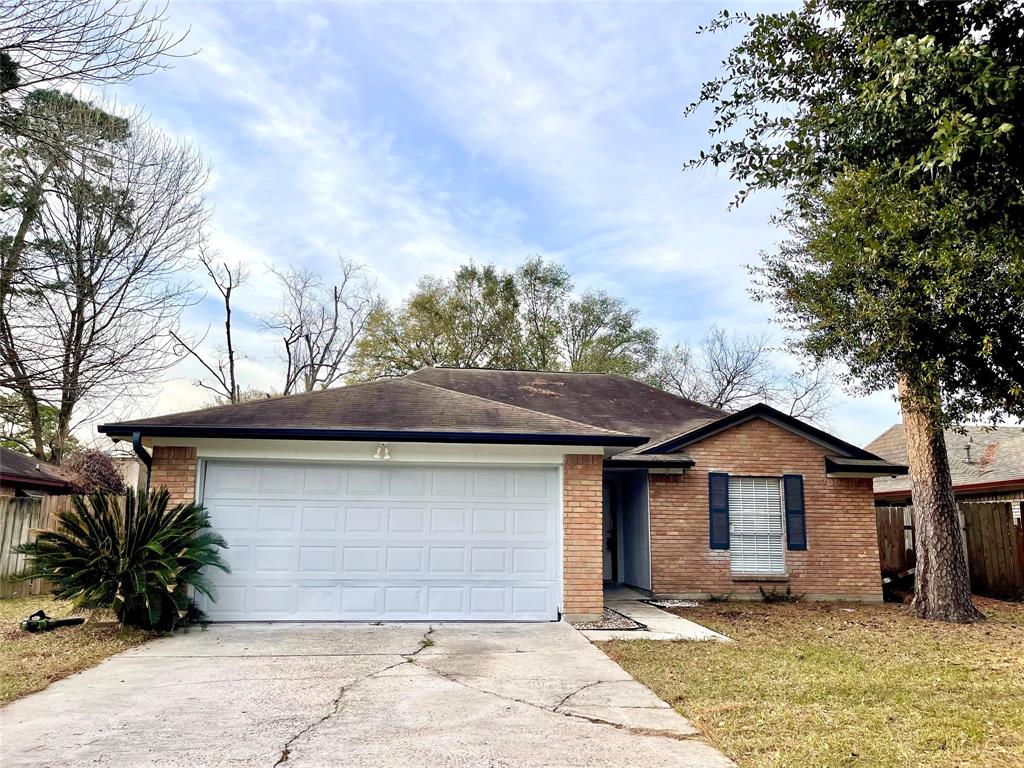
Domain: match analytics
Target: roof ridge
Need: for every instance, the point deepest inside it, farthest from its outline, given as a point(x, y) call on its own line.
point(522, 408)
point(481, 369)
point(688, 400)
point(615, 374)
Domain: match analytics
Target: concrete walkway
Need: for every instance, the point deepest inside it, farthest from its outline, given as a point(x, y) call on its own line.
point(660, 625)
point(394, 696)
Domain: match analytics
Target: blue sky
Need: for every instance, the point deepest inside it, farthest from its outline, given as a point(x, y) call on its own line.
point(415, 137)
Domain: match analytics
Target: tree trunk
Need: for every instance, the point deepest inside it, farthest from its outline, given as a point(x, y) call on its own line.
point(942, 590)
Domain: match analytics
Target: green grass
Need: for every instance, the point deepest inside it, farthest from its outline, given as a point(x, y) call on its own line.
point(830, 684)
point(31, 661)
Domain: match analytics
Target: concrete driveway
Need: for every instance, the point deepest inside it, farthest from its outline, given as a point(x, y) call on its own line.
point(386, 696)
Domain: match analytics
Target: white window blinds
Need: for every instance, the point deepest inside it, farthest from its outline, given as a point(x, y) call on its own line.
point(755, 525)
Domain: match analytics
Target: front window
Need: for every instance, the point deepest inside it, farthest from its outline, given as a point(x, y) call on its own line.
point(755, 525)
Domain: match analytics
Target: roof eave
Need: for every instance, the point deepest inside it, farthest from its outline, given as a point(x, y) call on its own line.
point(641, 463)
point(863, 468)
point(39, 482)
point(124, 432)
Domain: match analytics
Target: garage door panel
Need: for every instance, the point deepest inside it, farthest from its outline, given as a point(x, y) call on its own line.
point(490, 520)
point(323, 481)
point(533, 485)
point(276, 517)
point(365, 482)
point(319, 517)
point(448, 520)
point(362, 518)
point(354, 601)
point(317, 559)
point(407, 519)
point(450, 484)
point(323, 542)
point(361, 560)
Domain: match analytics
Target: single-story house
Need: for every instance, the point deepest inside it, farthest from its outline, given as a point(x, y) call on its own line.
point(986, 464)
point(466, 494)
point(22, 475)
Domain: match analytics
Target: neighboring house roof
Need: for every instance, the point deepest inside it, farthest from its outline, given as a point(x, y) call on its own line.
point(996, 457)
point(21, 470)
point(396, 409)
point(647, 425)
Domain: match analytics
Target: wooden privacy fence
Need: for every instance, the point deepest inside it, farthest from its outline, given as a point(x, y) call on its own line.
point(895, 539)
point(18, 518)
point(994, 546)
point(993, 549)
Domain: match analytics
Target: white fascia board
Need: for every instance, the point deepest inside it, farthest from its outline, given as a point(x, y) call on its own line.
point(344, 450)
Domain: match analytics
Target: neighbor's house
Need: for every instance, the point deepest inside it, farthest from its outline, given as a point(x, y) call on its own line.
point(480, 494)
point(986, 464)
point(22, 475)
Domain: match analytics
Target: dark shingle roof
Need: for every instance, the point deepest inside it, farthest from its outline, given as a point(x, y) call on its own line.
point(997, 456)
point(401, 405)
point(18, 468)
point(607, 400)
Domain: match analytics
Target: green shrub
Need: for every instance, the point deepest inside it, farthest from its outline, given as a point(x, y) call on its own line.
point(129, 554)
point(775, 596)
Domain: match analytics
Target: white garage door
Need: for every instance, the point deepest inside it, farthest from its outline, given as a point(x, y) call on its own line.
point(329, 542)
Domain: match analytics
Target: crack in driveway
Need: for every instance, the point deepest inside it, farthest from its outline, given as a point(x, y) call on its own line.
point(425, 642)
point(561, 704)
point(556, 710)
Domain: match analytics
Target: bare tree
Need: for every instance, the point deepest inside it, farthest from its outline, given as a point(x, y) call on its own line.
point(221, 366)
point(96, 288)
point(319, 324)
point(600, 332)
point(46, 43)
point(732, 372)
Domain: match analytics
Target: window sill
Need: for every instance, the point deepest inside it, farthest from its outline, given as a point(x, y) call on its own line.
point(774, 577)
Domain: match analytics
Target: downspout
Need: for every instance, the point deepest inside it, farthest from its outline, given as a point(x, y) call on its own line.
point(144, 455)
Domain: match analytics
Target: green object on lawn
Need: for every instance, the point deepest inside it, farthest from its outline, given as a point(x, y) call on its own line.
point(40, 622)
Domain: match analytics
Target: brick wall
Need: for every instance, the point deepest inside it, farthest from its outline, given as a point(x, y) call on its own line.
point(841, 559)
point(583, 536)
point(174, 468)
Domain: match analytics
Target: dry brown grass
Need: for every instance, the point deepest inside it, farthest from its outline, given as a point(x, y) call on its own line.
point(31, 661)
point(832, 684)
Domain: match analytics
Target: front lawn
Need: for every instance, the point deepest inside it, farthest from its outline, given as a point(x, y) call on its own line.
point(30, 662)
point(833, 684)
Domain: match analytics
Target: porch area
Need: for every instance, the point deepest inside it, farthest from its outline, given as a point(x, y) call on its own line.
point(627, 529)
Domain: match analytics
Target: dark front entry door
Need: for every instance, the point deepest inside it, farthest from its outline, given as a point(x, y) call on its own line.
point(611, 534)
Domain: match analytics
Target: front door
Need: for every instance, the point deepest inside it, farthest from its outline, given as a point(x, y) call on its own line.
point(610, 532)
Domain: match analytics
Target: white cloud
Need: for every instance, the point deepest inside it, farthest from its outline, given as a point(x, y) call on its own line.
point(414, 137)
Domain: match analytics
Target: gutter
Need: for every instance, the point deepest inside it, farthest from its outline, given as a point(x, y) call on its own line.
point(372, 435)
point(143, 454)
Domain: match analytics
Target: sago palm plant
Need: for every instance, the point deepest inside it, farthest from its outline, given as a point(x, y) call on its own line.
point(130, 554)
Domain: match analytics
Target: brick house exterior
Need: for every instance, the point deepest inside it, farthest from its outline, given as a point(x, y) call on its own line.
point(565, 482)
point(841, 559)
point(174, 468)
point(582, 536)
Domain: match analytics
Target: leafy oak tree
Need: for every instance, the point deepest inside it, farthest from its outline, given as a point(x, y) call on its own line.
point(896, 133)
point(485, 317)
